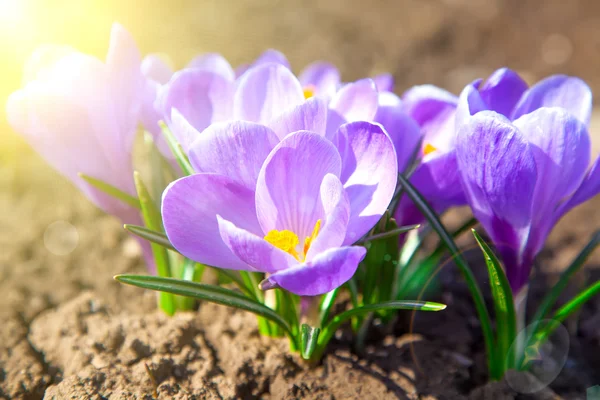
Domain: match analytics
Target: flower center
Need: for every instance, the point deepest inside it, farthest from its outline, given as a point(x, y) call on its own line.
point(288, 241)
point(428, 149)
point(309, 91)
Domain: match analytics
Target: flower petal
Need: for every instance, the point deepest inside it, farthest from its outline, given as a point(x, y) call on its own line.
point(202, 97)
point(308, 116)
point(215, 63)
point(190, 206)
point(498, 174)
point(323, 76)
point(589, 188)
point(288, 187)
point(502, 90)
point(254, 250)
point(336, 207)
point(470, 103)
point(356, 101)
point(266, 91)
point(369, 174)
point(384, 82)
point(233, 149)
point(561, 148)
point(322, 274)
point(572, 94)
point(183, 131)
point(155, 68)
point(272, 56)
point(402, 129)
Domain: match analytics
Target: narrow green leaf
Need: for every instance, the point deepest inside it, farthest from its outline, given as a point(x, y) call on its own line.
point(150, 235)
point(550, 298)
point(574, 304)
point(212, 293)
point(390, 233)
point(235, 277)
point(506, 320)
point(326, 304)
point(310, 336)
point(482, 312)
point(153, 221)
point(112, 191)
point(176, 149)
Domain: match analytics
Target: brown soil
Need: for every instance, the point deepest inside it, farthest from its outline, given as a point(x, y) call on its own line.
point(68, 331)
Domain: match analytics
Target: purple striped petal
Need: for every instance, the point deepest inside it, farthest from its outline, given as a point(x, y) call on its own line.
point(308, 116)
point(233, 149)
point(183, 131)
point(589, 188)
point(272, 56)
point(384, 82)
point(498, 173)
point(254, 250)
point(502, 90)
point(215, 63)
point(470, 103)
point(322, 274)
point(190, 207)
point(288, 187)
point(336, 207)
point(402, 129)
point(201, 97)
point(356, 101)
point(322, 76)
point(369, 174)
point(572, 94)
point(264, 92)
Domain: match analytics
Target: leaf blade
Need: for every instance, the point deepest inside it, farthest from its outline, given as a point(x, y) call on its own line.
point(112, 191)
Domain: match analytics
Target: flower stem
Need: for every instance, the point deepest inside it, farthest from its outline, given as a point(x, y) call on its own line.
point(520, 300)
point(309, 311)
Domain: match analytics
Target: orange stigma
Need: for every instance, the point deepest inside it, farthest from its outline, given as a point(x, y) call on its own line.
point(288, 241)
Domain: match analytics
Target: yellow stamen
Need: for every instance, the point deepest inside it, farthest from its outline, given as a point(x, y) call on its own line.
point(309, 91)
point(288, 241)
point(428, 149)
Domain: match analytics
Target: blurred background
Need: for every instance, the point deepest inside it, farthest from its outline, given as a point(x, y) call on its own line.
point(54, 243)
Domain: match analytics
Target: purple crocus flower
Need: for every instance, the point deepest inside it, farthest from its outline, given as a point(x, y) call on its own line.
point(521, 174)
point(81, 115)
point(290, 207)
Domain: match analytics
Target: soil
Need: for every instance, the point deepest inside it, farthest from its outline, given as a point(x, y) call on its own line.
point(68, 331)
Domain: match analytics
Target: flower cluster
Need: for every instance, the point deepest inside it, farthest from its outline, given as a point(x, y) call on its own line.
point(289, 184)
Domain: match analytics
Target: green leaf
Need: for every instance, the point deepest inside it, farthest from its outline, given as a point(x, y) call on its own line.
point(153, 221)
point(329, 330)
point(310, 336)
point(212, 293)
point(111, 191)
point(388, 234)
point(550, 299)
point(176, 149)
point(326, 304)
point(506, 320)
point(482, 312)
point(150, 235)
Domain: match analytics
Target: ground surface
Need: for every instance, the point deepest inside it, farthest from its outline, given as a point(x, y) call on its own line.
point(67, 330)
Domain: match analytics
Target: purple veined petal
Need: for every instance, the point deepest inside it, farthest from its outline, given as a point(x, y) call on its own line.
point(502, 90)
point(470, 103)
point(234, 149)
point(322, 77)
point(498, 174)
point(336, 207)
point(272, 56)
point(215, 63)
point(322, 274)
point(190, 206)
point(202, 97)
point(288, 186)
point(253, 250)
point(384, 82)
point(570, 93)
point(369, 174)
point(561, 148)
point(126, 82)
point(149, 117)
point(155, 68)
point(308, 116)
point(356, 101)
point(402, 129)
point(266, 91)
point(182, 130)
point(589, 188)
